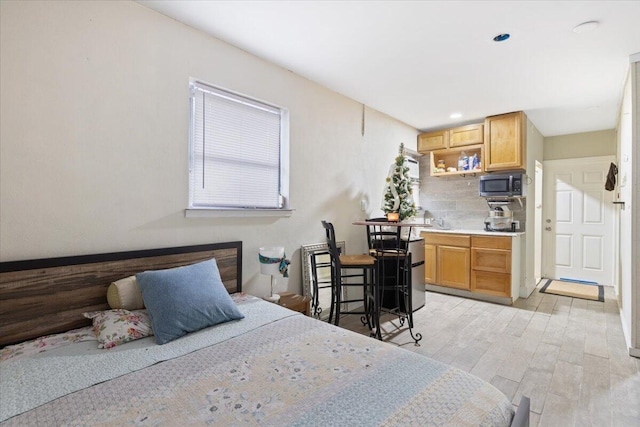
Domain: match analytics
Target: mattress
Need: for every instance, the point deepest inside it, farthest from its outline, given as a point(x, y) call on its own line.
point(275, 367)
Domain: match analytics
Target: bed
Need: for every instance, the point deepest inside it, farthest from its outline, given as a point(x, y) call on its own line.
point(271, 367)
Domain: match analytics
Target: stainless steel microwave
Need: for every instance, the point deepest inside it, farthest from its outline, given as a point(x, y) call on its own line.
point(503, 185)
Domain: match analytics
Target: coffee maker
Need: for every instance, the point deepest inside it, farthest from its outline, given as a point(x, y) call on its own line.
point(500, 218)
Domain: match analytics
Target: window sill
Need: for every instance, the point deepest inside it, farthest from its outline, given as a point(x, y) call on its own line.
point(238, 213)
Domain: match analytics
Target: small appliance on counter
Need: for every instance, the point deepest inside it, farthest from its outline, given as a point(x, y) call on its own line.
point(503, 185)
point(500, 219)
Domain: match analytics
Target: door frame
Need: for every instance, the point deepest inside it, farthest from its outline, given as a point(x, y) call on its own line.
point(545, 213)
point(538, 198)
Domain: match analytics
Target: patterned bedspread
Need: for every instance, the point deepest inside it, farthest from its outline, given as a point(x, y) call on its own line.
point(288, 372)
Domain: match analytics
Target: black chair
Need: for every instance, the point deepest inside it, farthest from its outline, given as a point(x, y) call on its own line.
point(386, 245)
point(318, 261)
point(365, 265)
point(382, 239)
point(394, 270)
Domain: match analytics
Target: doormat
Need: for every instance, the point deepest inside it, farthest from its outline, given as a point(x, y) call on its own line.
point(588, 291)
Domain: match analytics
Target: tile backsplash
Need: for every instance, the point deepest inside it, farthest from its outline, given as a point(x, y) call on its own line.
point(456, 200)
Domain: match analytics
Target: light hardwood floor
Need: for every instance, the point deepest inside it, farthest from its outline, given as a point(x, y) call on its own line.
point(567, 354)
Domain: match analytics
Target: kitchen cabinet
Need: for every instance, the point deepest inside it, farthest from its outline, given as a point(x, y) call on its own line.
point(450, 158)
point(430, 263)
point(474, 265)
point(505, 141)
point(436, 140)
point(451, 138)
point(447, 260)
point(466, 135)
point(453, 267)
point(445, 146)
point(491, 265)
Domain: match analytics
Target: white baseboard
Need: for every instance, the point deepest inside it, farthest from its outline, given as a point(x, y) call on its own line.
point(527, 289)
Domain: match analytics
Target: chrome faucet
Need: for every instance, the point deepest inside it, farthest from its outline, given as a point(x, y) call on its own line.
point(424, 217)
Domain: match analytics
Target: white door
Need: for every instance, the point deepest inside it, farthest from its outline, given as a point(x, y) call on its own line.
point(578, 220)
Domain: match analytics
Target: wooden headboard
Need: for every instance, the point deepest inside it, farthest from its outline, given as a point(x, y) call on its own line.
point(46, 296)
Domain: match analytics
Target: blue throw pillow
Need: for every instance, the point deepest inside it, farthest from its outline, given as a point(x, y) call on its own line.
point(186, 299)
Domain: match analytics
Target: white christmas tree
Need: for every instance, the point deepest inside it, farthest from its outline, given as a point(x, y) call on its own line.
point(398, 194)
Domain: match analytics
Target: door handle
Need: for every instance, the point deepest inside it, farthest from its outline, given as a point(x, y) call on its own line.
point(548, 228)
point(619, 203)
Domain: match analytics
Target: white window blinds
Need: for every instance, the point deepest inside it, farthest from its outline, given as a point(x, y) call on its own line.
point(236, 151)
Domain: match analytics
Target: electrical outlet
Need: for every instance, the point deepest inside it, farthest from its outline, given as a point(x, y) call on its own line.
point(517, 224)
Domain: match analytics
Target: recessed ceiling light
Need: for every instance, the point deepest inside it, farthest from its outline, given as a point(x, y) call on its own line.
point(585, 26)
point(455, 115)
point(501, 37)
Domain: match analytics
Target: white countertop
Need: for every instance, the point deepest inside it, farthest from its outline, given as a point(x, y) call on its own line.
point(466, 231)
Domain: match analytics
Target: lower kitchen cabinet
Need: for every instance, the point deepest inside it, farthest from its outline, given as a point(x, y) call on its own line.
point(478, 266)
point(486, 282)
point(447, 260)
point(453, 267)
point(491, 265)
point(430, 263)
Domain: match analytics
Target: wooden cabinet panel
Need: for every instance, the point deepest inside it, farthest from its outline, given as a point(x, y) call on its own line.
point(433, 141)
point(430, 264)
point(496, 260)
point(490, 283)
point(447, 239)
point(491, 265)
point(453, 266)
point(504, 142)
point(480, 264)
point(466, 135)
point(491, 242)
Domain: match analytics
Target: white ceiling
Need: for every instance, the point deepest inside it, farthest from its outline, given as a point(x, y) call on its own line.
point(420, 61)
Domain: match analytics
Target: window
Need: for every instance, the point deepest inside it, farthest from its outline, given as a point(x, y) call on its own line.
point(238, 151)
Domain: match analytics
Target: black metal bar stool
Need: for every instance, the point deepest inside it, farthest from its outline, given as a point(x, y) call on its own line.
point(319, 261)
point(368, 274)
point(394, 271)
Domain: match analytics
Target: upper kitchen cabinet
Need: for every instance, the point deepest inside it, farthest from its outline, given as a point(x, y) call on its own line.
point(466, 135)
point(433, 141)
point(443, 160)
point(451, 138)
point(504, 138)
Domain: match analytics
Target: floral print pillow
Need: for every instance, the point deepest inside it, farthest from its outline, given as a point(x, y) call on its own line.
point(115, 327)
point(48, 342)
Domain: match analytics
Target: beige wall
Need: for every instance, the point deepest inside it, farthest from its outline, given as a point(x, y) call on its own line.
point(94, 133)
point(587, 144)
point(536, 145)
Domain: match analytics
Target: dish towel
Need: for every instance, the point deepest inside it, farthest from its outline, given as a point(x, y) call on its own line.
point(611, 177)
